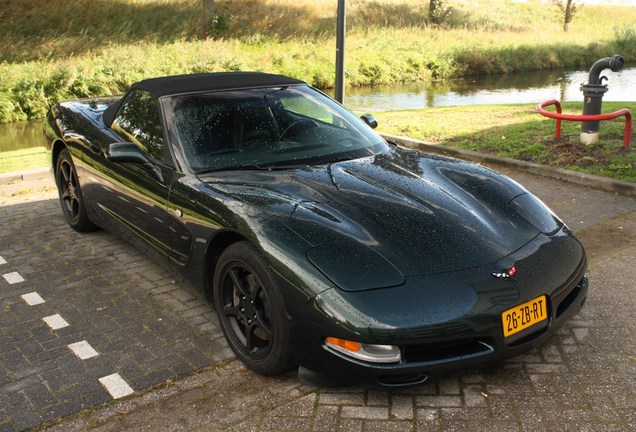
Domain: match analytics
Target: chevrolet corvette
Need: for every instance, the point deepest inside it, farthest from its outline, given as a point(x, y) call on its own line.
point(320, 244)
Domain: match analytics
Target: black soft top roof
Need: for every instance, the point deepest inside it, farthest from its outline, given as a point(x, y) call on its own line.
point(196, 83)
point(178, 84)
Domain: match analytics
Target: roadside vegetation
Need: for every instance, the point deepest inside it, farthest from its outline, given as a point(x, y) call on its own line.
point(65, 49)
point(21, 160)
point(519, 132)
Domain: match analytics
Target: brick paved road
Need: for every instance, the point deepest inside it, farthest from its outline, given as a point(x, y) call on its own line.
point(150, 330)
point(143, 325)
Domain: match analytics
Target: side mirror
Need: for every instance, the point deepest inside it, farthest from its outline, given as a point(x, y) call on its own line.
point(127, 153)
point(370, 121)
point(130, 153)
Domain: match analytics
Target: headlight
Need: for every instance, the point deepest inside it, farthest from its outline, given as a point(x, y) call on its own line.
point(365, 352)
point(535, 212)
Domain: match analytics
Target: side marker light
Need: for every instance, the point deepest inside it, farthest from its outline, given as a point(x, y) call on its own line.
point(365, 352)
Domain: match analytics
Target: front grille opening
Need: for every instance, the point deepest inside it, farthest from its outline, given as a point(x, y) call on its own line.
point(569, 299)
point(446, 350)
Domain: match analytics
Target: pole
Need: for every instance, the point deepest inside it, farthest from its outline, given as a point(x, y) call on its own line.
point(340, 50)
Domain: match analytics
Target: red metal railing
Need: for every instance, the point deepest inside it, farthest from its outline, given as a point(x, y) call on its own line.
point(581, 118)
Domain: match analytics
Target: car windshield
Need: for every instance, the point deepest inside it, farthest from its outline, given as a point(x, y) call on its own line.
point(267, 128)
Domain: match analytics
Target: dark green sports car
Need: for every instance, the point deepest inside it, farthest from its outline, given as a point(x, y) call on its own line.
point(321, 244)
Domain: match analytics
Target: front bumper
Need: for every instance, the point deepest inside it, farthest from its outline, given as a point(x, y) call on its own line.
point(442, 331)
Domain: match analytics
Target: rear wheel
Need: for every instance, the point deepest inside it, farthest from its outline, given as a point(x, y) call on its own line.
point(71, 194)
point(251, 311)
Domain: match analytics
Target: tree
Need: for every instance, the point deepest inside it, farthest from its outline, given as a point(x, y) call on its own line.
point(208, 15)
point(437, 12)
point(567, 9)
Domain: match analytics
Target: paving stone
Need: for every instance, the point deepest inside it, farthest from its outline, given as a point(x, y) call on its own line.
point(341, 398)
point(302, 407)
point(439, 401)
point(428, 419)
point(326, 419)
point(39, 395)
point(401, 407)
point(365, 412)
point(449, 386)
point(285, 424)
point(474, 396)
point(349, 425)
point(22, 415)
point(377, 398)
point(387, 426)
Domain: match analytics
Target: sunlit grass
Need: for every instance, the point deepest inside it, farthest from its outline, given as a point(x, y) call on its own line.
point(21, 160)
point(518, 132)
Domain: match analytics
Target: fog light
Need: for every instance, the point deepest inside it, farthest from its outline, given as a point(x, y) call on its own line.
point(365, 352)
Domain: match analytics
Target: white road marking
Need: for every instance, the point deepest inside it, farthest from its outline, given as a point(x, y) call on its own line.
point(32, 299)
point(13, 278)
point(83, 350)
point(116, 386)
point(2, 261)
point(55, 321)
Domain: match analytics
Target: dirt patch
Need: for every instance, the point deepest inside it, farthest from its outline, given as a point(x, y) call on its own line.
point(29, 190)
point(569, 151)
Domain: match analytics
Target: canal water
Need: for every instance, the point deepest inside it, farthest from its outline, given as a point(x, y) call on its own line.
point(529, 87)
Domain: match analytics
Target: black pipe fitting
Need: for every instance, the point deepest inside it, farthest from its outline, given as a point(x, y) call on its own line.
point(615, 63)
point(593, 93)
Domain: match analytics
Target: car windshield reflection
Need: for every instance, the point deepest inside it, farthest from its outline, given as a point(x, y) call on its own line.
point(267, 128)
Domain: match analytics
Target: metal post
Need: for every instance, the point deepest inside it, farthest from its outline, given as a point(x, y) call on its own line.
point(593, 93)
point(340, 50)
point(592, 105)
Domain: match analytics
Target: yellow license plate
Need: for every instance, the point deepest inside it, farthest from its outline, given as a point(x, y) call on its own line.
point(525, 315)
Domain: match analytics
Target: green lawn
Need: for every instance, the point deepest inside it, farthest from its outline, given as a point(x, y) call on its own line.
point(518, 132)
point(21, 160)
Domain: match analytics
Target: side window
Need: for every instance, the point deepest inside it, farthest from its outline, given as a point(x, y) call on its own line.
point(138, 121)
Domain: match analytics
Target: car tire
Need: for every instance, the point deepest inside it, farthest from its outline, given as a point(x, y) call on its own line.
point(251, 310)
point(70, 193)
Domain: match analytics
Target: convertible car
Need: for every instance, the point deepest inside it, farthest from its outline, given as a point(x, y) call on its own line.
point(320, 244)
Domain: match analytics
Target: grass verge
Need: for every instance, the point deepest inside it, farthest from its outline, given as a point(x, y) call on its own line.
point(518, 132)
point(22, 160)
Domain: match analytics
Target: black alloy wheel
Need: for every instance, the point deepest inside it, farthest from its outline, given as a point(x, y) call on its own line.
point(71, 194)
point(250, 309)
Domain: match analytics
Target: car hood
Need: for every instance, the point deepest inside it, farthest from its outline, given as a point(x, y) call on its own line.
point(395, 214)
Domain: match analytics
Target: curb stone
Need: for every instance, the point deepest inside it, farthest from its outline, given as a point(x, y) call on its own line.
point(27, 175)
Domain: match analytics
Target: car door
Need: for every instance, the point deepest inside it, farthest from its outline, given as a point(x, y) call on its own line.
point(130, 198)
